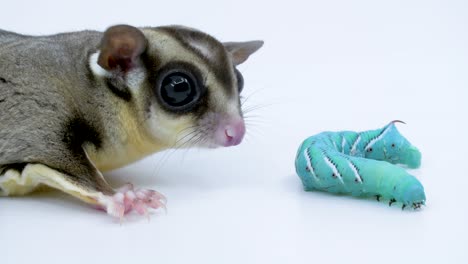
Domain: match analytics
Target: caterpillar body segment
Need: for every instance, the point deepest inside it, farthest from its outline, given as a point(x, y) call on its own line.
point(362, 164)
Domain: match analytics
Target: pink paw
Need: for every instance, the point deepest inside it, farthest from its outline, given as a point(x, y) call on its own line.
point(127, 199)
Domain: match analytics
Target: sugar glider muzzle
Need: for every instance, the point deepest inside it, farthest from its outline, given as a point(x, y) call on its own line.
point(76, 104)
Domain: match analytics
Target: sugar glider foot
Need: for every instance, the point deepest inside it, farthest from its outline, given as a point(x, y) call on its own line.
point(81, 103)
point(127, 199)
point(96, 192)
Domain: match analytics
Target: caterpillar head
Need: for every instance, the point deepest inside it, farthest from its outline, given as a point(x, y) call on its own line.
point(391, 146)
point(413, 193)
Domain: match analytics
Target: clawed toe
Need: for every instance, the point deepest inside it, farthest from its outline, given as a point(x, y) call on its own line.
point(127, 199)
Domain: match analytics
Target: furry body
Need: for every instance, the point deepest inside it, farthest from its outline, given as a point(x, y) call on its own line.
point(79, 103)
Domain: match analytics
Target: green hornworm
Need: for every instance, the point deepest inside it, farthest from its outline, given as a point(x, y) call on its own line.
point(361, 164)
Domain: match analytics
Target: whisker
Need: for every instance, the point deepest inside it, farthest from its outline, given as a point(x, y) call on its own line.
point(255, 132)
point(184, 138)
point(194, 128)
point(193, 142)
point(176, 146)
point(256, 107)
point(245, 99)
point(255, 118)
point(159, 164)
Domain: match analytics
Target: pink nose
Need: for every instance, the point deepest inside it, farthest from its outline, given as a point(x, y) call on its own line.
point(231, 133)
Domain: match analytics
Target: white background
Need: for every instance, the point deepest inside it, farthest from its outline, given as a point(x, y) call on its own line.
point(326, 65)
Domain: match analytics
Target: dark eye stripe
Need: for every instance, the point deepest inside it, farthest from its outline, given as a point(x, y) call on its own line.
point(218, 64)
point(240, 80)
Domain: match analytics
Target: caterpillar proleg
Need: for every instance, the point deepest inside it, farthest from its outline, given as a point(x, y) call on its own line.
point(362, 164)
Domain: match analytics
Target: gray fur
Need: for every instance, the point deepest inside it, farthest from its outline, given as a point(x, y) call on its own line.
point(52, 105)
point(45, 87)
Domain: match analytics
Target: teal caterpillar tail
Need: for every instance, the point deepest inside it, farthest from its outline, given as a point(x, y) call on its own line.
point(361, 164)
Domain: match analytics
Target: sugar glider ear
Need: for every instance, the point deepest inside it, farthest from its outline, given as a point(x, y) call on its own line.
point(240, 51)
point(121, 47)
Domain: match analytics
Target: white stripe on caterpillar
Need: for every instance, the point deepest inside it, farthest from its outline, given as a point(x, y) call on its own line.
point(373, 141)
point(309, 164)
point(343, 144)
point(356, 173)
point(333, 167)
point(355, 144)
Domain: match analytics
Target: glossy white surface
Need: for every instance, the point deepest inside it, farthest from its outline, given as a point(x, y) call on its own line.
point(326, 65)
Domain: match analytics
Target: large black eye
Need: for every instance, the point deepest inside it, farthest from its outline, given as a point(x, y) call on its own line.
point(240, 80)
point(179, 90)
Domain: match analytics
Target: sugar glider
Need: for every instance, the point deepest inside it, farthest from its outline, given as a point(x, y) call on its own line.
point(77, 104)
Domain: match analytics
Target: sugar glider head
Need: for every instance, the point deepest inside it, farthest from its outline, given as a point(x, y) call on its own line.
point(182, 84)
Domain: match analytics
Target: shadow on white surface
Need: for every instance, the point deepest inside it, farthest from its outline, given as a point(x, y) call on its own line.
point(326, 65)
